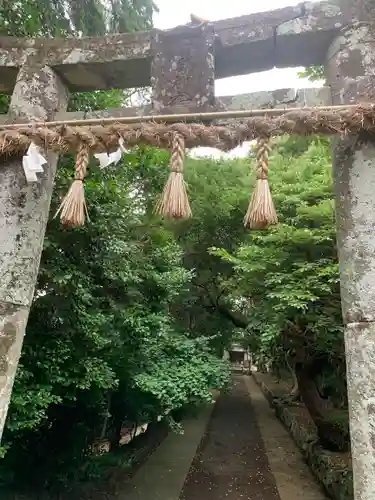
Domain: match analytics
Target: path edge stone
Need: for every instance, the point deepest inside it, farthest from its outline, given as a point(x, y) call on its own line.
point(337, 483)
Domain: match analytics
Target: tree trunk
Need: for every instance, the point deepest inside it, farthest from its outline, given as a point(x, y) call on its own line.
point(117, 412)
point(331, 436)
point(295, 392)
point(115, 435)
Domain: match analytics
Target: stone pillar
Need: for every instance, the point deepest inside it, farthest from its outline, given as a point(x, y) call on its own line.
point(350, 69)
point(182, 69)
point(24, 208)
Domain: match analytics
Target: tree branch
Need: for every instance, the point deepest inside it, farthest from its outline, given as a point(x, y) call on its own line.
point(239, 320)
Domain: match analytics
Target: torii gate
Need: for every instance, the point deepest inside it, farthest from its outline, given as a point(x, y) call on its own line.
point(181, 65)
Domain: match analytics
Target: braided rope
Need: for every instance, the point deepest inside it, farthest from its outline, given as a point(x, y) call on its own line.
point(82, 161)
point(261, 212)
point(174, 202)
point(73, 208)
point(178, 154)
point(101, 138)
point(263, 151)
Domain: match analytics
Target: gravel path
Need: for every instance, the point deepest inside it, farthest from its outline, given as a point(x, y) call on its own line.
point(231, 462)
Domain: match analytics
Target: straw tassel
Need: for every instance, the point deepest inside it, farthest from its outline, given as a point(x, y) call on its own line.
point(174, 202)
point(261, 212)
point(73, 208)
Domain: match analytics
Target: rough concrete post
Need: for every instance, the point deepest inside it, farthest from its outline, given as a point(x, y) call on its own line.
point(350, 70)
point(182, 69)
point(38, 94)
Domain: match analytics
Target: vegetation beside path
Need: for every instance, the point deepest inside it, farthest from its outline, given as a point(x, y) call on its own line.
point(333, 470)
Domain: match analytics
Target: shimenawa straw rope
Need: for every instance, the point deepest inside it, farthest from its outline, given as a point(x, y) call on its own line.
point(174, 202)
point(342, 109)
point(73, 208)
point(62, 138)
point(104, 137)
point(261, 212)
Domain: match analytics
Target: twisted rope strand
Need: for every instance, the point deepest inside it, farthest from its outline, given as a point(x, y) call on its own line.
point(178, 154)
point(263, 151)
point(174, 201)
point(73, 208)
point(101, 138)
point(70, 137)
point(261, 212)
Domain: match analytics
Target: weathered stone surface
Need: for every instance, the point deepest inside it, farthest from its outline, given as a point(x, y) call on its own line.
point(12, 49)
point(350, 70)
point(304, 40)
point(13, 320)
point(13, 54)
point(354, 168)
point(84, 64)
point(183, 70)
point(360, 358)
point(320, 96)
point(247, 44)
point(279, 98)
point(292, 36)
point(357, 10)
point(38, 95)
point(24, 208)
point(350, 66)
point(116, 61)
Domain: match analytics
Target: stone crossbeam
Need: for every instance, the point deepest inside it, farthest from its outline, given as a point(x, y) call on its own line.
point(319, 96)
point(287, 37)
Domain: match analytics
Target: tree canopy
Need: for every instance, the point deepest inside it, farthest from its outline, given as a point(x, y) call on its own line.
point(74, 17)
point(281, 286)
point(102, 347)
point(277, 290)
point(131, 315)
point(100, 337)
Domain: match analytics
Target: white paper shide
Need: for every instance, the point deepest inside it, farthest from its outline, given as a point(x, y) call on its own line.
point(33, 163)
point(106, 159)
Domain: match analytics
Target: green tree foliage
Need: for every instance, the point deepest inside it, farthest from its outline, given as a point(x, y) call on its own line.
point(220, 192)
point(289, 277)
point(281, 286)
point(74, 17)
point(102, 348)
point(313, 73)
point(100, 338)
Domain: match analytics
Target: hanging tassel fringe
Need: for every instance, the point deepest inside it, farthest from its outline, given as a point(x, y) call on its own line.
point(73, 208)
point(174, 202)
point(261, 212)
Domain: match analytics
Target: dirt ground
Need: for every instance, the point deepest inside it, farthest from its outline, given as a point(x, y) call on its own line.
point(231, 462)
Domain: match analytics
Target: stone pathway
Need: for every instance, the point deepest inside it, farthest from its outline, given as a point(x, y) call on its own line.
point(163, 475)
point(293, 477)
point(232, 462)
point(240, 451)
